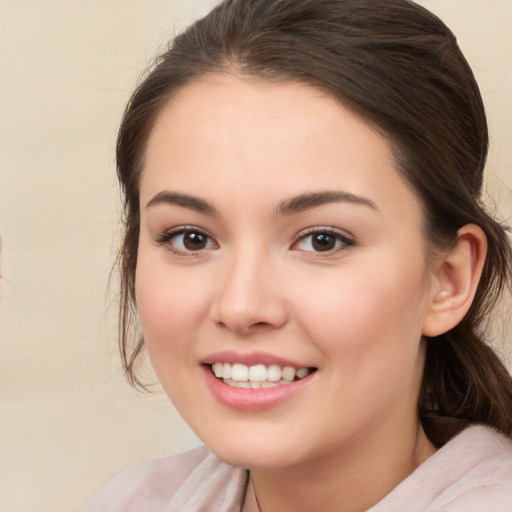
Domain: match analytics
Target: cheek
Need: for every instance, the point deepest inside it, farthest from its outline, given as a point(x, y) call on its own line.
point(366, 311)
point(170, 306)
point(368, 328)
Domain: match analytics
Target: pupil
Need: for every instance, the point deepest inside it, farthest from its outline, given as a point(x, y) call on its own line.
point(194, 241)
point(324, 242)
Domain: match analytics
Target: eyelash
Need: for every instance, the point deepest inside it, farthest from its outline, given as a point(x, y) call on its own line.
point(167, 237)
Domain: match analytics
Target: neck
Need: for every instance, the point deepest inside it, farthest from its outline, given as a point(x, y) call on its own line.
point(351, 479)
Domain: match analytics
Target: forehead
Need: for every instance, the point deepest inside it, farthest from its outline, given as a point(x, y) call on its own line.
point(243, 135)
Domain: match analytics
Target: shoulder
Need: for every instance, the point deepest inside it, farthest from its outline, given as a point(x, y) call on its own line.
point(484, 457)
point(472, 472)
point(194, 481)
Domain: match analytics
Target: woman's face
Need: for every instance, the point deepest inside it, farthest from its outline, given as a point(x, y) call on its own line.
point(276, 232)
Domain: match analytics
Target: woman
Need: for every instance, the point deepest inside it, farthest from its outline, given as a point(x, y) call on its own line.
point(311, 265)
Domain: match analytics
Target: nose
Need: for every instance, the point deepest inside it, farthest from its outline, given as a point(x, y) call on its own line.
point(250, 299)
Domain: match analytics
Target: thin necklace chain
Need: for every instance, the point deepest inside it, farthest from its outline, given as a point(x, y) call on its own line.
point(255, 497)
point(251, 499)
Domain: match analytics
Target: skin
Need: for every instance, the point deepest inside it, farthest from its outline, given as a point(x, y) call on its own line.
point(356, 313)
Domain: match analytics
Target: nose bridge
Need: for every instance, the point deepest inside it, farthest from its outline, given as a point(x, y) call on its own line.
point(248, 297)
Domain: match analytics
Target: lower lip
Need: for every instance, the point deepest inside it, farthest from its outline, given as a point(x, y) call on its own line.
point(252, 399)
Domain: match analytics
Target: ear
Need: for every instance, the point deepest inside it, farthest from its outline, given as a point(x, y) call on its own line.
point(455, 280)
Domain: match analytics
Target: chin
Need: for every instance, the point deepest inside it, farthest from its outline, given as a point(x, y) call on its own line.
point(253, 457)
point(270, 450)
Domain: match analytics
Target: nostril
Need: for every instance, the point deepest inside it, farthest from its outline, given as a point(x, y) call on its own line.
point(259, 327)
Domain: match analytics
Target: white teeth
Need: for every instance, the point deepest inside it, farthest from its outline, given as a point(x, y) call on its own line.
point(254, 385)
point(268, 384)
point(235, 384)
point(217, 369)
point(256, 376)
point(239, 372)
point(226, 371)
point(302, 372)
point(288, 373)
point(274, 373)
point(257, 373)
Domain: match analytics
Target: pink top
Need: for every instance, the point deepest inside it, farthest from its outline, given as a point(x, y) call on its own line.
point(471, 473)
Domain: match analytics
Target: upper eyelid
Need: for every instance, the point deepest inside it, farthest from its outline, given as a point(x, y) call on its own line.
point(324, 229)
point(181, 229)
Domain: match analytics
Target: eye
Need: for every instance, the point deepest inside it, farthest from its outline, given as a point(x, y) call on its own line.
point(186, 240)
point(322, 241)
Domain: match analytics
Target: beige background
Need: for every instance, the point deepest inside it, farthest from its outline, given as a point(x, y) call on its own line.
point(67, 420)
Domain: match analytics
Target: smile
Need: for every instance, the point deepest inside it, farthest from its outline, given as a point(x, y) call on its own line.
point(255, 381)
point(258, 376)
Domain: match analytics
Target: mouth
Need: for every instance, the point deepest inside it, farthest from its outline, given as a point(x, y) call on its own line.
point(256, 381)
point(258, 376)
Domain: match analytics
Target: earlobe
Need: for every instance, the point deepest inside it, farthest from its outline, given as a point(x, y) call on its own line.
point(455, 281)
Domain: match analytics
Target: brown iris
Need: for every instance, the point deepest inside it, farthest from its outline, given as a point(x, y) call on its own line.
point(323, 242)
point(194, 241)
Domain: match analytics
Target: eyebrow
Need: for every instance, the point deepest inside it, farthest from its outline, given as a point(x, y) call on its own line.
point(311, 200)
point(297, 204)
point(184, 200)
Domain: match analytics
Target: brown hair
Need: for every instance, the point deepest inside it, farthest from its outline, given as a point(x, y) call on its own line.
point(399, 67)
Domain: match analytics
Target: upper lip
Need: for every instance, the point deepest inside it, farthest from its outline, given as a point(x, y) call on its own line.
point(250, 359)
